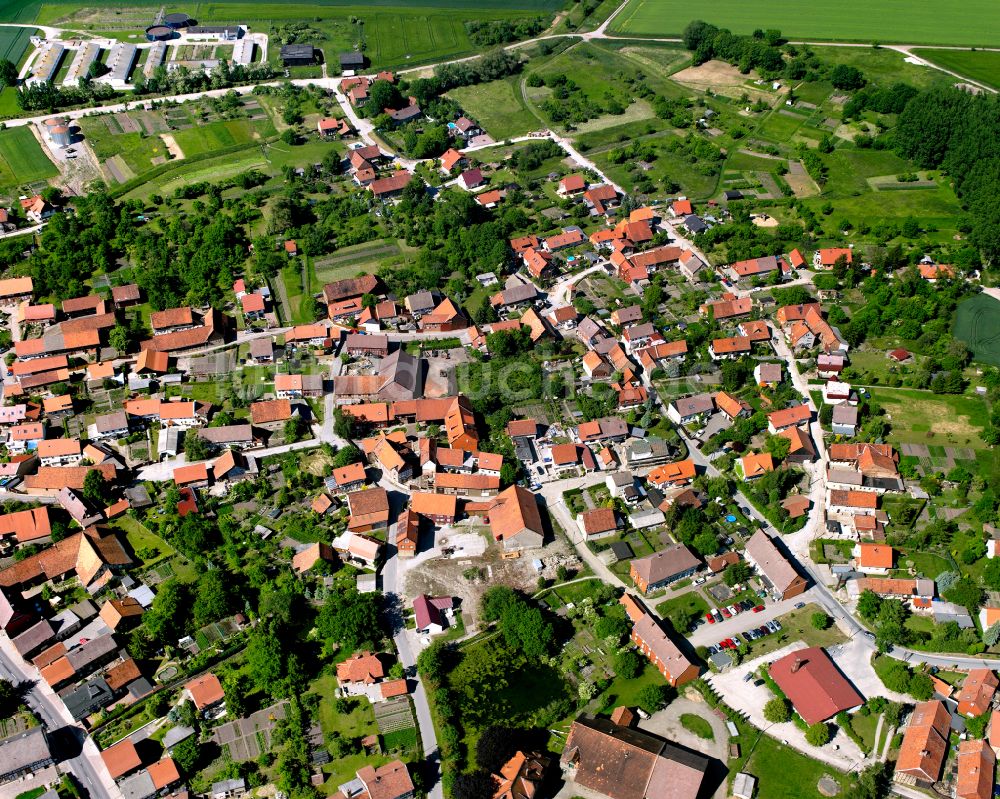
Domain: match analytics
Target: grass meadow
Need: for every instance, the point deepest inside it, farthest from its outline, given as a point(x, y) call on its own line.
point(498, 106)
point(973, 22)
point(22, 159)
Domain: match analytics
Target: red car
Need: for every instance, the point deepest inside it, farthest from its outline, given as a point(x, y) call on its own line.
point(710, 618)
point(725, 613)
point(758, 609)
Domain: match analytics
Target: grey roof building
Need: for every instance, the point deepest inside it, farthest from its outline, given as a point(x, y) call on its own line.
point(24, 753)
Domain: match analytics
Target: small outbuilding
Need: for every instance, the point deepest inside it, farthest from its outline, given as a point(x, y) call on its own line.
point(298, 55)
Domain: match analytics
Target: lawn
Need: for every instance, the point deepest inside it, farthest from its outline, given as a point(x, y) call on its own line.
point(926, 564)
point(865, 727)
point(781, 772)
point(983, 66)
point(977, 323)
point(141, 539)
point(920, 417)
point(797, 626)
point(498, 106)
point(697, 725)
point(683, 610)
point(974, 22)
point(22, 159)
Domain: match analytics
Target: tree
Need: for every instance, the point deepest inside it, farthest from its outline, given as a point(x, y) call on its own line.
point(496, 745)
point(820, 620)
point(477, 785)
point(8, 73)
point(628, 664)
point(653, 697)
point(350, 618)
point(9, 698)
point(95, 489)
point(612, 627)
point(237, 687)
point(706, 542)
point(346, 456)
point(737, 573)
point(214, 597)
point(382, 95)
point(818, 734)
point(266, 660)
point(777, 710)
point(869, 604)
point(976, 726)
point(185, 755)
point(343, 424)
point(118, 337)
point(295, 429)
point(196, 448)
point(167, 618)
point(433, 662)
point(921, 687)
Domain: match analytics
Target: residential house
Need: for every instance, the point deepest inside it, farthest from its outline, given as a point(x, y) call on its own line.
point(598, 523)
point(432, 613)
point(977, 692)
point(775, 569)
point(925, 743)
point(662, 568)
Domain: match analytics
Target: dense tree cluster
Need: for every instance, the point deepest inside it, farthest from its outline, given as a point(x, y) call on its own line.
point(491, 33)
point(960, 133)
point(760, 51)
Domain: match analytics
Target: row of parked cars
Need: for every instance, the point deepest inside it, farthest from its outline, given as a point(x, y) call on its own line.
point(747, 637)
point(718, 614)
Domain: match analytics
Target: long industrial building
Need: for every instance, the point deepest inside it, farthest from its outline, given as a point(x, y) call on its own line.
point(47, 62)
point(243, 52)
point(120, 62)
point(154, 58)
point(85, 56)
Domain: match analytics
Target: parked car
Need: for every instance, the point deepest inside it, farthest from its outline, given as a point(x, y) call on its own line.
point(710, 618)
point(777, 625)
point(748, 676)
point(799, 605)
point(758, 609)
point(725, 612)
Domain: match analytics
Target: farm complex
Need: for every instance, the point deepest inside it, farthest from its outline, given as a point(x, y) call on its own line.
point(499, 400)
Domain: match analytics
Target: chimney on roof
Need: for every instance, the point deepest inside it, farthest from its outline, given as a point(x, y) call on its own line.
point(797, 665)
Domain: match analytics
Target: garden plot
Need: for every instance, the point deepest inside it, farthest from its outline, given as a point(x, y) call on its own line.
point(247, 739)
point(394, 715)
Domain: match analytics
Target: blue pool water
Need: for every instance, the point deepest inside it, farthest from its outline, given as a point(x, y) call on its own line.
point(730, 518)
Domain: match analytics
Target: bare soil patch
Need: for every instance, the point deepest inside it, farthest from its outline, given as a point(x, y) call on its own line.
point(172, 146)
point(720, 77)
point(799, 181)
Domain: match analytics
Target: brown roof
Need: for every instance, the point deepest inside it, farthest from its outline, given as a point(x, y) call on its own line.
point(191, 473)
point(127, 293)
point(976, 763)
point(770, 562)
point(52, 477)
point(925, 741)
point(977, 692)
point(121, 674)
point(163, 773)
point(121, 758)
point(371, 502)
point(814, 684)
point(390, 781)
point(598, 520)
point(205, 690)
point(626, 763)
point(664, 564)
point(81, 303)
point(788, 417)
point(361, 667)
point(514, 511)
point(429, 504)
point(171, 317)
point(270, 411)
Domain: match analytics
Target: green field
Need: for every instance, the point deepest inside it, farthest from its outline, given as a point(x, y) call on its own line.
point(982, 66)
point(970, 22)
point(217, 135)
point(13, 43)
point(977, 323)
point(22, 159)
point(498, 106)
